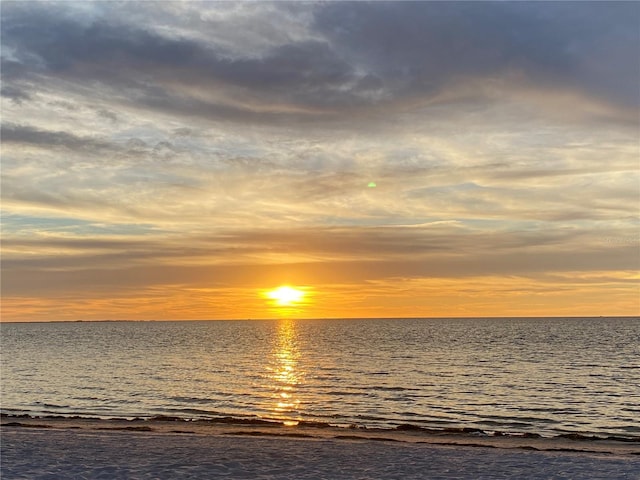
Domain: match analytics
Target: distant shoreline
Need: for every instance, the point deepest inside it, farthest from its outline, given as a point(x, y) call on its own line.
point(560, 317)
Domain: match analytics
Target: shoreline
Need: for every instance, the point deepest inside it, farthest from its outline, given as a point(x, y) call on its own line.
point(407, 434)
point(123, 449)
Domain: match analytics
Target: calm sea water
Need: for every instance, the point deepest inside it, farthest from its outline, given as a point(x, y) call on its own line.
point(547, 376)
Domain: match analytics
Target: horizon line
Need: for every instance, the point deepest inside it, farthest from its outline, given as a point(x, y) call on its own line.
point(498, 317)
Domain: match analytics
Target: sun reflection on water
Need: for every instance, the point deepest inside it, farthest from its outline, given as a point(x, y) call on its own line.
point(285, 374)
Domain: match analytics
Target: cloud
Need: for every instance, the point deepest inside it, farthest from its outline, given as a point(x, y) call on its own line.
point(421, 46)
point(15, 94)
point(440, 250)
point(354, 55)
point(26, 135)
point(184, 71)
point(215, 143)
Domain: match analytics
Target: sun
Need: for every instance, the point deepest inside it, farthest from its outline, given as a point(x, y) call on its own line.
point(286, 295)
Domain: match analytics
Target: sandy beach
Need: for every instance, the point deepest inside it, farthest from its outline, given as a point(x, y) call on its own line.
point(72, 448)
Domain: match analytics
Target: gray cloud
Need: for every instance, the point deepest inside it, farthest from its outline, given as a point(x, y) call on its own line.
point(22, 134)
point(424, 45)
point(14, 93)
point(363, 54)
point(120, 56)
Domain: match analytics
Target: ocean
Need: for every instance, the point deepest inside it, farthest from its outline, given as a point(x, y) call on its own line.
point(546, 376)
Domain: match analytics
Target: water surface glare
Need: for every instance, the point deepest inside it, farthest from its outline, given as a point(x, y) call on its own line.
point(545, 376)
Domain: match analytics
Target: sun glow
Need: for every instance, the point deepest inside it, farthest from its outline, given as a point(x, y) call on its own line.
point(286, 295)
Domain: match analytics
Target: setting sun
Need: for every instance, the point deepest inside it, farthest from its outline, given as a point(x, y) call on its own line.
point(286, 295)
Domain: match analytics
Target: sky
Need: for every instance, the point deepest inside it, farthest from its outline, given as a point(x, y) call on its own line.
point(179, 160)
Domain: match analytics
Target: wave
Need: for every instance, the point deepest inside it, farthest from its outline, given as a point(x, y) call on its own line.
point(195, 408)
point(255, 421)
point(197, 400)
